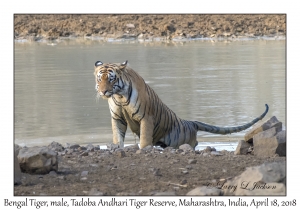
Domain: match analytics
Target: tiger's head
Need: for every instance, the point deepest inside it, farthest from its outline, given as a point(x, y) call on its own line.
point(108, 78)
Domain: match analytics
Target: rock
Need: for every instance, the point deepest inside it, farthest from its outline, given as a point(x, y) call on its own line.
point(130, 25)
point(265, 134)
point(262, 126)
point(156, 171)
point(140, 151)
point(120, 153)
point(266, 179)
point(17, 148)
point(74, 146)
point(266, 145)
point(133, 148)
point(214, 153)
point(84, 173)
point(37, 160)
point(94, 191)
point(192, 161)
point(204, 191)
point(84, 153)
point(17, 169)
point(112, 146)
point(185, 172)
point(168, 193)
point(52, 173)
point(186, 147)
point(55, 146)
point(90, 147)
point(184, 181)
point(208, 149)
point(169, 149)
point(205, 154)
point(81, 148)
point(148, 148)
point(242, 148)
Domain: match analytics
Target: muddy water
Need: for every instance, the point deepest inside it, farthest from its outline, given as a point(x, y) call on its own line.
point(220, 83)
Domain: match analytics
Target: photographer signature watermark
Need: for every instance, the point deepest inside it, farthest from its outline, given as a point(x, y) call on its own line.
point(246, 185)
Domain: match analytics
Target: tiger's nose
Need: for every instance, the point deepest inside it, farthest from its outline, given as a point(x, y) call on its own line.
point(104, 92)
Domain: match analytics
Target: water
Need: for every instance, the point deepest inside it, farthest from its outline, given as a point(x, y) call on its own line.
point(220, 83)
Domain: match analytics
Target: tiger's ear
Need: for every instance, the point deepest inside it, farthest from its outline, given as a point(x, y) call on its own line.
point(98, 63)
point(123, 65)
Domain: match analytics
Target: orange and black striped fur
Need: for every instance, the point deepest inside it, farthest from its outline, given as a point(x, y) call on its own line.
point(133, 103)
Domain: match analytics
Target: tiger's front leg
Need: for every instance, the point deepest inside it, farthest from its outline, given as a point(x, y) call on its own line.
point(146, 132)
point(118, 122)
point(119, 127)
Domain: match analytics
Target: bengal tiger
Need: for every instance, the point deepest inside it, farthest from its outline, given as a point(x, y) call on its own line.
point(134, 103)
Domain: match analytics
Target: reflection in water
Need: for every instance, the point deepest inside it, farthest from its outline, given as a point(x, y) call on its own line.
point(220, 83)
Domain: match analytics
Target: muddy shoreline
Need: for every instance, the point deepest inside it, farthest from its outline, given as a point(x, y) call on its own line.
point(157, 27)
point(89, 170)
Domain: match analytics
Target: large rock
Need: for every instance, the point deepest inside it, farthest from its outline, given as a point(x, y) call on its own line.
point(262, 126)
point(266, 179)
point(37, 160)
point(242, 148)
point(267, 145)
point(17, 170)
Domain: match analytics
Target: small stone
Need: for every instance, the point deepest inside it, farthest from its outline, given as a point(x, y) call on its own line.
point(130, 25)
point(184, 181)
point(208, 149)
point(205, 154)
point(186, 147)
point(148, 148)
point(85, 153)
point(192, 161)
point(55, 146)
point(53, 173)
point(157, 172)
point(120, 153)
point(84, 173)
point(140, 151)
point(169, 193)
point(185, 172)
point(112, 146)
point(216, 153)
point(81, 148)
point(94, 191)
point(189, 167)
point(74, 146)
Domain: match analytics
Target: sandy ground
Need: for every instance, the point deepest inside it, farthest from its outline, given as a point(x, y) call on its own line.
point(136, 172)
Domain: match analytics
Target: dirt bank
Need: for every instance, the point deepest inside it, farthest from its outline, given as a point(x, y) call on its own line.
point(120, 26)
point(136, 172)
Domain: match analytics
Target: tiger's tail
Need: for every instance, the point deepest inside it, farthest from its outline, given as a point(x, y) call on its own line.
point(227, 130)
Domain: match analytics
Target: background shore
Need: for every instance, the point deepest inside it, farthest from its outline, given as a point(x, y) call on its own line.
point(148, 26)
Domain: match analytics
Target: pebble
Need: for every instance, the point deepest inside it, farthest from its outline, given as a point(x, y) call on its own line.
point(84, 173)
point(192, 161)
point(85, 153)
point(185, 172)
point(214, 153)
point(94, 191)
point(140, 151)
point(52, 173)
point(120, 153)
